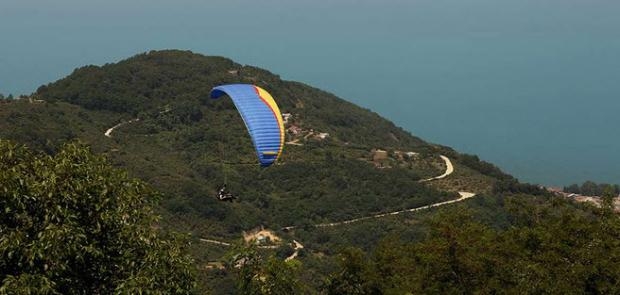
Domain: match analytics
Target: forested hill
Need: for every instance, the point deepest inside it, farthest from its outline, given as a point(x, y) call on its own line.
point(150, 81)
point(151, 115)
point(170, 134)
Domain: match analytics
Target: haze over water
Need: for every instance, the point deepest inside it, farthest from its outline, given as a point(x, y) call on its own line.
point(530, 85)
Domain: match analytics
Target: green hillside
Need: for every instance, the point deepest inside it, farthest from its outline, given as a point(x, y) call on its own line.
point(172, 136)
point(182, 137)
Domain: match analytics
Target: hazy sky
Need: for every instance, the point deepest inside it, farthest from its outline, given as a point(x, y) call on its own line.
point(532, 85)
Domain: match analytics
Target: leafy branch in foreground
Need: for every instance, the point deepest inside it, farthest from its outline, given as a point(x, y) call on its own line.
point(72, 224)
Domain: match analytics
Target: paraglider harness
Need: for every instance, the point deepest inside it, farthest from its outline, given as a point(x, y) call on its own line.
point(224, 195)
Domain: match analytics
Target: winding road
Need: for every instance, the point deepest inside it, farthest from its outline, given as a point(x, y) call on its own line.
point(464, 196)
point(298, 246)
point(215, 242)
point(449, 170)
point(108, 133)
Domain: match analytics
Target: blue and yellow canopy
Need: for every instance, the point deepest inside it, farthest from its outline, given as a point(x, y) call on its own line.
point(261, 116)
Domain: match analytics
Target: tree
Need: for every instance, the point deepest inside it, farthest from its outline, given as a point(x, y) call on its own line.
point(72, 224)
point(353, 275)
point(573, 188)
point(608, 196)
point(589, 188)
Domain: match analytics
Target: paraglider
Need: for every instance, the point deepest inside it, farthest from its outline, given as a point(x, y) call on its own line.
point(261, 116)
point(224, 195)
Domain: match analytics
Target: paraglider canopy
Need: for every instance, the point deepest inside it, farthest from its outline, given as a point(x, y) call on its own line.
point(261, 116)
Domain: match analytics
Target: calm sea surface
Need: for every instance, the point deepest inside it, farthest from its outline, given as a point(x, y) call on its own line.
point(530, 85)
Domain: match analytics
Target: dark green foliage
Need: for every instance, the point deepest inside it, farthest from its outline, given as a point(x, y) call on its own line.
point(186, 145)
point(183, 137)
point(256, 275)
point(150, 81)
point(354, 277)
point(590, 188)
point(71, 224)
point(46, 126)
point(550, 247)
point(505, 183)
point(607, 196)
point(473, 162)
point(513, 186)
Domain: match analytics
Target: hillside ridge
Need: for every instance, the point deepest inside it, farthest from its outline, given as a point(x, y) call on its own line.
point(151, 115)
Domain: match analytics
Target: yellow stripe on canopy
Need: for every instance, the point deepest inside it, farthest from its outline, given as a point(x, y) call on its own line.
point(263, 94)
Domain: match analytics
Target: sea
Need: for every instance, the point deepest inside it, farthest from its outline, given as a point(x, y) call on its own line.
point(532, 86)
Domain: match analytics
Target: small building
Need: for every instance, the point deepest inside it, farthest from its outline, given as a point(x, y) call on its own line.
point(31, 99)
point(379, 155)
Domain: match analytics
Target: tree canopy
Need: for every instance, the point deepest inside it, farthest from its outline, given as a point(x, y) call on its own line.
point(549, 247)
point(72, 224)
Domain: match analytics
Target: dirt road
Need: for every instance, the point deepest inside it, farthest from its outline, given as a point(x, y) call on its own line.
point(449, 170)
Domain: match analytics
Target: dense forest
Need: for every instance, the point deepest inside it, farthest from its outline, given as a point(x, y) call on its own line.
point(511, 238)
point(546, 247)
point(539, 245)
